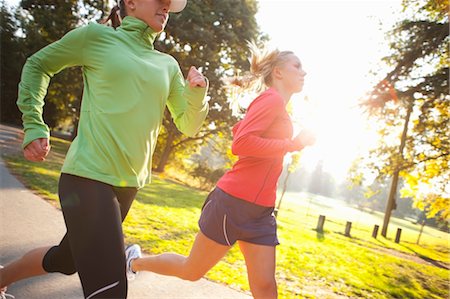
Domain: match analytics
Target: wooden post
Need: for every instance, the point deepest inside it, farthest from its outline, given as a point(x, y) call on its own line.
point(375, 231)
point(348, 227)
point(320, 223)
point(397, 236)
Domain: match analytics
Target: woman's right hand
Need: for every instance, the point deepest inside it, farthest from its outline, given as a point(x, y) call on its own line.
point(304, 138)
point(37, 150)
point(196, 78)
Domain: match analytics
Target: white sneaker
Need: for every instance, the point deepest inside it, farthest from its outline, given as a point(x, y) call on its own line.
point(132, 252)
point(3, 294)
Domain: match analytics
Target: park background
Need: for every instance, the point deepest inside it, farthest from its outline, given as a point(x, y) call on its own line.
point(376, 93)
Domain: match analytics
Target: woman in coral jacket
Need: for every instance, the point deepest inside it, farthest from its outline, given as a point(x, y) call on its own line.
point(240, 208)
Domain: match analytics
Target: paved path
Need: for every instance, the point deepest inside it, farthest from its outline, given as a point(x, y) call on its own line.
point(27, 221)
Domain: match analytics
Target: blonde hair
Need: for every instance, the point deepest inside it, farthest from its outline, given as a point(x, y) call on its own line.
point(262, 62)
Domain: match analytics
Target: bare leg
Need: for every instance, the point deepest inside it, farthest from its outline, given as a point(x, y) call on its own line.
point(27, 266)
point(260, 261)
point(205, 253)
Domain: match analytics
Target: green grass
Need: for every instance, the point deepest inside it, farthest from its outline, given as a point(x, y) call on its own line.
point(309, 265)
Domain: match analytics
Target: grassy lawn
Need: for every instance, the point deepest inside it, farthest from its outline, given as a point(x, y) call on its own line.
point(309, 265)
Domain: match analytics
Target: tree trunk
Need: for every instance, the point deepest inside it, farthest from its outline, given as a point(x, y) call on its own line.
point(75, 128)
point(421, 231)
point(166, 152)
point(391, 205)
point(282, 193)
point(76, 118)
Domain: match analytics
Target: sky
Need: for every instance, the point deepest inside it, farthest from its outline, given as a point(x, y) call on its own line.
point(339, 43)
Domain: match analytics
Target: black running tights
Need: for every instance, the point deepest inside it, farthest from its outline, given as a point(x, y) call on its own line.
point(93, 245)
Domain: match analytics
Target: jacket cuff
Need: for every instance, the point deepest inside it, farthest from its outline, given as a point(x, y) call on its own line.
point(197, 95)
point(293, 145)
point(33, 134)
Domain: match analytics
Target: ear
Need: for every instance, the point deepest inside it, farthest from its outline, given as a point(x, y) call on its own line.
point(131, 4)
point(277, 73)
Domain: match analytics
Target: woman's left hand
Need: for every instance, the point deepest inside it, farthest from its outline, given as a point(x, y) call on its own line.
point(195, 78)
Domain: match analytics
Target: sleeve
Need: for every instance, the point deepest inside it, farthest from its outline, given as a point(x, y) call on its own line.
point(187, 105)
point(36, 75)
point(248, 139)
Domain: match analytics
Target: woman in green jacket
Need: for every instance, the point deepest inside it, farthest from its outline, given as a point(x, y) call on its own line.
point(127, 85)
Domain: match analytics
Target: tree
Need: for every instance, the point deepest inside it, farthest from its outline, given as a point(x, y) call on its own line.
point(11, 60)
point(290, 168)
point(210, 163)
point(321, 182)
point(412, 102)
point(211, 35)
point(377, 194)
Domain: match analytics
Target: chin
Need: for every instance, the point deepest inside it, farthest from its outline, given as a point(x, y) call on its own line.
point(299, 89)
point(157, 27)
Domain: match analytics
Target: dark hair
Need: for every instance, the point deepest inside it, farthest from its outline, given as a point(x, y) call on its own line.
point(118, 12)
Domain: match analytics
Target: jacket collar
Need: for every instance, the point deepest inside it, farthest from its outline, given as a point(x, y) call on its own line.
point(139, 29)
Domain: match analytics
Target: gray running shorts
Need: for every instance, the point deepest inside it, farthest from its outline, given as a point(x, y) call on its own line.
point(226, 219)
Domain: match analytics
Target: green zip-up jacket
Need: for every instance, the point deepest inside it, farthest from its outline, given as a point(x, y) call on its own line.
point(127, 85)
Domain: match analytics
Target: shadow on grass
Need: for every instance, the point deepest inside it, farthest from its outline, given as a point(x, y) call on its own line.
point(436, 263)
point(44, 182)
point(349, 237)
point(382, 243)
point(171, 194)
point(320, 235)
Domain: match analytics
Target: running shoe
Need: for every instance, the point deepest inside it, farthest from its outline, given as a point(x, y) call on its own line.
point(132, 252)
point(3, 294)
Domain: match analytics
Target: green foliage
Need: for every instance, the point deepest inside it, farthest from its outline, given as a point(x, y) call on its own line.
point(295, 162)
point(210, 163)
point(416, 91)
point(11, 60)
point(208, 176)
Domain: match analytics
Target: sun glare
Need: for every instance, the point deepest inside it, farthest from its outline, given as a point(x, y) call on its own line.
point(340, 130)
point(339, 44)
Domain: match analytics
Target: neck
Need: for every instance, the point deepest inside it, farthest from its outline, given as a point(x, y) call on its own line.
point(139, 29)
point(284, 93)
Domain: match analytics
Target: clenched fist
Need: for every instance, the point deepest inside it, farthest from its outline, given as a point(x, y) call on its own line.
point(195, 78)
point(37, 150)
point(304, 138)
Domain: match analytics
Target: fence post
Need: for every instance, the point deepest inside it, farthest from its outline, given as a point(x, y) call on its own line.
point(348, 227)
point(375, 231)
point(397, 236)
point(320, 223)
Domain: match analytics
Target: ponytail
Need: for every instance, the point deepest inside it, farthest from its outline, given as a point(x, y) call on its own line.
point(262, 62)
point(116, 15)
